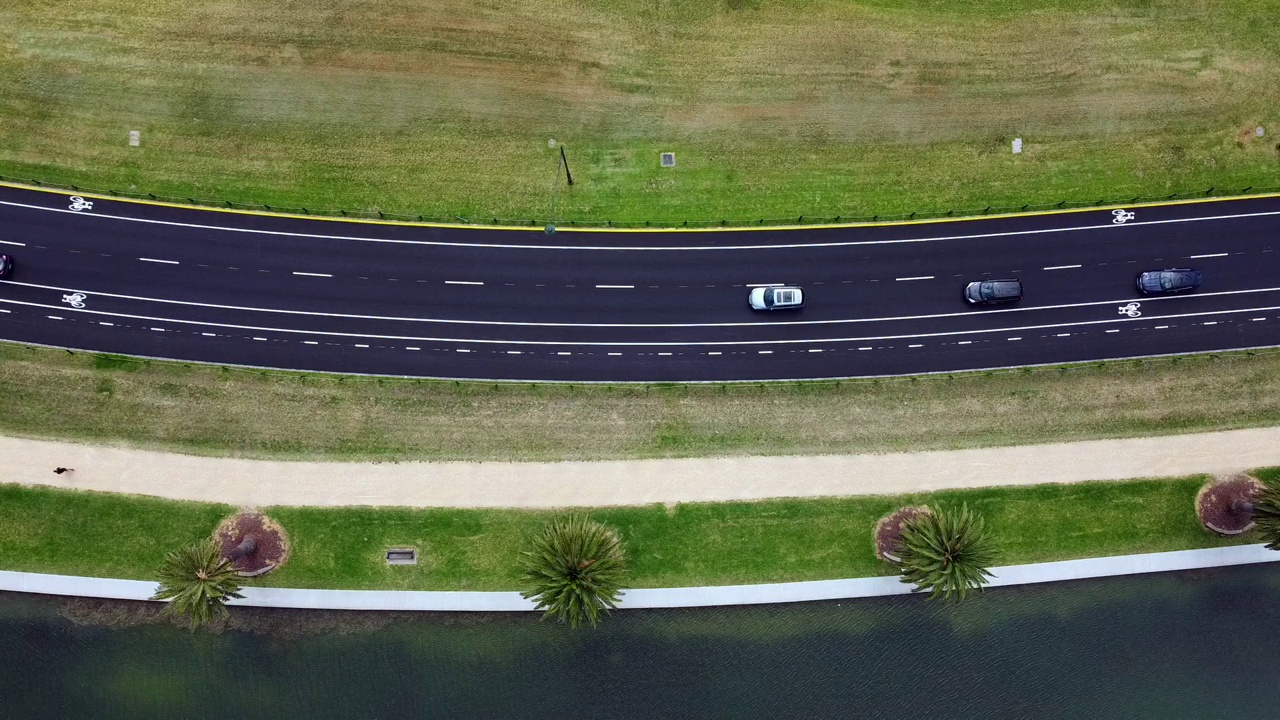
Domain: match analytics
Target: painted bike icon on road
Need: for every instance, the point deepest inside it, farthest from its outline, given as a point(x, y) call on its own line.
point(78, 203)
point(75, 300)
point(1122, 216)
point(1131, 309)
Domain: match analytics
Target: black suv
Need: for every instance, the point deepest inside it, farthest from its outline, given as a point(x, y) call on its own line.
point(992, 292)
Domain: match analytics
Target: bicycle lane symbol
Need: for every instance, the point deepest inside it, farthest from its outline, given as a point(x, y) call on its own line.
point(78, 203)
point(75, 300)
point(1122, 216)
point(1131, 309)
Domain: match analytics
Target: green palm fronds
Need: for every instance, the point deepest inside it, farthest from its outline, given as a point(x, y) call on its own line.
point(574, 570)
point(1266, 513)
point(197, 582)
point(946, 553)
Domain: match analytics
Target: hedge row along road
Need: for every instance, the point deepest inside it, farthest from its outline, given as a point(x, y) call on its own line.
point(448, 302)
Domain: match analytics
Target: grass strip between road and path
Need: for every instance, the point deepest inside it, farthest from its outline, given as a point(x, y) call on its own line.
point(210, 410)
point(123, 536)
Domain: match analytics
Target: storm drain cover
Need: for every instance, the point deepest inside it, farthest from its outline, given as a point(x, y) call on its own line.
point(668, 159)
point(402, 556)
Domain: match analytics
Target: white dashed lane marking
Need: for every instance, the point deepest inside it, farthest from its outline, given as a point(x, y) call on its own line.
point(311, 274)
point(1062, 267)
point(462, 282)
point(165, 262)
point(1211, 255)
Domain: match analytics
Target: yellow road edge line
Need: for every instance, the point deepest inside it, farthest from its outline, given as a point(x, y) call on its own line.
point(606, 229)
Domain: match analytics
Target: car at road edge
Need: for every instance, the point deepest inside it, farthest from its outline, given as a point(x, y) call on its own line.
point(6, 266)
point(1169, 281)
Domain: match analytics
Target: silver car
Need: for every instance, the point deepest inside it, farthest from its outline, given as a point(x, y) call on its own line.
point(776, 297)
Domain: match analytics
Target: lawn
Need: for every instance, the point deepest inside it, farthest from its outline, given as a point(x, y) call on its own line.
point(216, 411)
point(774, 109)
point(99, 534)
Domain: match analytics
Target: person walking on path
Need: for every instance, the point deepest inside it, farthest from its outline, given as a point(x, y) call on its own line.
point(60, 470)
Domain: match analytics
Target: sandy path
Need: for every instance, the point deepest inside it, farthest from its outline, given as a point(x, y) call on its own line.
point(631, 482)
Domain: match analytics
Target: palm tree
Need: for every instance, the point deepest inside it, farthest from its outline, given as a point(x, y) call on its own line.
point(946, 552)
point(1266, 513)
point(574, 570)
point(197, 582)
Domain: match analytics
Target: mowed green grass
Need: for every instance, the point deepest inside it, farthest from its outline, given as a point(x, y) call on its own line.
point(216, 411)
point(774, 109)
point(98, 534)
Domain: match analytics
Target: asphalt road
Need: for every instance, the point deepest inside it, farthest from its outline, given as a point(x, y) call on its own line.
point(189, 284)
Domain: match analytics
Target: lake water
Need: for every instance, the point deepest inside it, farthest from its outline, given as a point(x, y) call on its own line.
point(1203, 644)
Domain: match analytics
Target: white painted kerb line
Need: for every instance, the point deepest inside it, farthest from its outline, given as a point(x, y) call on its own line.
point(154, 260)
point(920, 277)
point(1063, 267)
point(307, 274)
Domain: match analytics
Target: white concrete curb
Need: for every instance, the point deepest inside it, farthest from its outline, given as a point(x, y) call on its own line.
point(649, 598)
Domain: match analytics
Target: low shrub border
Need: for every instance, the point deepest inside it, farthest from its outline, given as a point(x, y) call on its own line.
point(106, 535)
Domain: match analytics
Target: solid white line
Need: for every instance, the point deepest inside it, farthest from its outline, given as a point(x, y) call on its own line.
point(1197, 257)
point(166, 262)
point(307, 274)
point(446, 321)
point(512, 246)
point(616, 287)
point(1063, 267)
point(577, 343)
point(462, 282)
point(921, 277)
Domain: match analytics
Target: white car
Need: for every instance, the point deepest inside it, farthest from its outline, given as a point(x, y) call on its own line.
point(776, 297)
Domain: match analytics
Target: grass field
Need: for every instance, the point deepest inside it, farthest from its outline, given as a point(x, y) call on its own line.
point(98, 534)
point(774, 109)
point(215, 411)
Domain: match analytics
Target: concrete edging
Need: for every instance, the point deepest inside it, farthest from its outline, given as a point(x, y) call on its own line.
point(458, 601)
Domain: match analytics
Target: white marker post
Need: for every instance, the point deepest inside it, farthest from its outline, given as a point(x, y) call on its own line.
point(1017, 145)
point(135, 138)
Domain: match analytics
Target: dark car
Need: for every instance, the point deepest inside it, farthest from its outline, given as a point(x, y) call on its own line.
point(1175, 280)
point(992, 292)
point(6, 266)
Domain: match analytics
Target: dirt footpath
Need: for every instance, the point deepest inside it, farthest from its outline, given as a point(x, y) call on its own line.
point(630, 482)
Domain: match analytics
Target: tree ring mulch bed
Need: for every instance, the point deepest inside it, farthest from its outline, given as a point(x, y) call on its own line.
point(1214, 504)
point(888, 532)
point(273, 544)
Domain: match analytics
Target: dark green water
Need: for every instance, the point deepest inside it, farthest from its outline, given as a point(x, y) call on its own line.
point(1202, 644)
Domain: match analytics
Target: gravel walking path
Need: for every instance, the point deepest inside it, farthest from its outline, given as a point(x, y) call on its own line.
point(628, 482)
